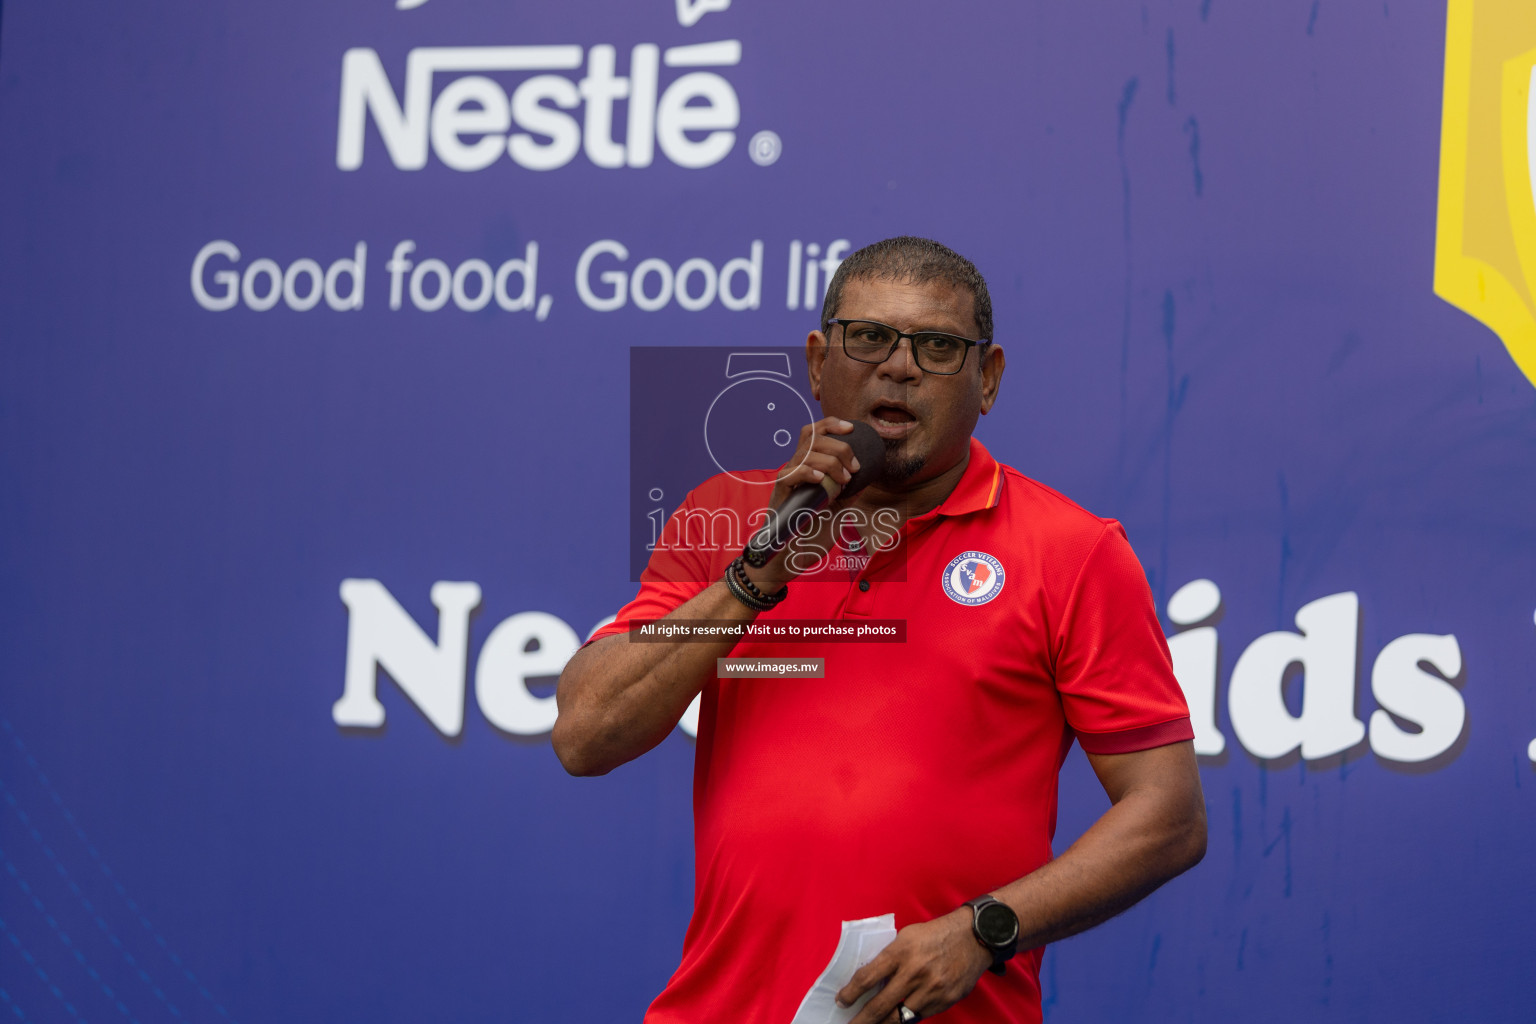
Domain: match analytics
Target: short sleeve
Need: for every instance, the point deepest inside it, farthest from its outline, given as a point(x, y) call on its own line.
point(655, 600)
point(1113, 669)
point(675, 574)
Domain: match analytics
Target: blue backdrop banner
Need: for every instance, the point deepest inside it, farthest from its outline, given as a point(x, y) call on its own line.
point(324, 330)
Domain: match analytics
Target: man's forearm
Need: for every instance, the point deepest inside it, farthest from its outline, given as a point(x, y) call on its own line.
point(1154, 830)
point(1136, 846)
point(619, 699)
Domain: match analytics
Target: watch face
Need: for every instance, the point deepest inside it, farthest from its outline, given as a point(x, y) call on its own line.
point(997, 925)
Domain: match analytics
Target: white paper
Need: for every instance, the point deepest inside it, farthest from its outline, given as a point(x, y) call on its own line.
point(860, 942)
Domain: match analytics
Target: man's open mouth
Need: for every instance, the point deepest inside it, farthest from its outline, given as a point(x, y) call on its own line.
point(892, 421)
point(892, 414)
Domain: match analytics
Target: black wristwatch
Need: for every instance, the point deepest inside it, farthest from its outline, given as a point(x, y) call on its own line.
point(996, 927)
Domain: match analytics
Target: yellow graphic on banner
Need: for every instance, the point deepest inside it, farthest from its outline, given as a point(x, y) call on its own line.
point(1485, 238)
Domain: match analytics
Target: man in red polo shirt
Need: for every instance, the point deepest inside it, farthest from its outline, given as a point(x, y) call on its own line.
point(918, 778)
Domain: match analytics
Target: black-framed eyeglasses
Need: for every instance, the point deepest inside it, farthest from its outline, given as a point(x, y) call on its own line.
point(870, 341)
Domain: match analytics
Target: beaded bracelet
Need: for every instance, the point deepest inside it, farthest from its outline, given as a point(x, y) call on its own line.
point(748, 593)
point(754, 589)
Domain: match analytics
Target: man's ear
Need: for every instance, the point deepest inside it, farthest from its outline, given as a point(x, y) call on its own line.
point(992, 366)
point(815, 358)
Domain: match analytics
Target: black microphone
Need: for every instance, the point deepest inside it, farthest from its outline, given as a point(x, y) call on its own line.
point(804, 501)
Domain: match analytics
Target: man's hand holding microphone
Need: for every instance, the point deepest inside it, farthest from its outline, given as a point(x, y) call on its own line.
point(835, 459)
point(617, 699)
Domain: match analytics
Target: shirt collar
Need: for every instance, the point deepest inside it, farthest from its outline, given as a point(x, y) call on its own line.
point(980, 486)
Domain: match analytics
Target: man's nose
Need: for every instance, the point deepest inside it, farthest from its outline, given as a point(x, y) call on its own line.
point(901, 364)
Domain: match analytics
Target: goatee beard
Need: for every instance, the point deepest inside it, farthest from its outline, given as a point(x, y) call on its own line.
point(899, 466)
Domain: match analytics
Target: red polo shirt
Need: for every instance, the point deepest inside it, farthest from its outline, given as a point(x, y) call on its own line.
point(914, 776)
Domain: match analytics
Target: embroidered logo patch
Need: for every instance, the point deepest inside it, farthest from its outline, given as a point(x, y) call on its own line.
point(974, 577)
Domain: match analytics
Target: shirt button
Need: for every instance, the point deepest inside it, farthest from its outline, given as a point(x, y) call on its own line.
point(863, 584)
